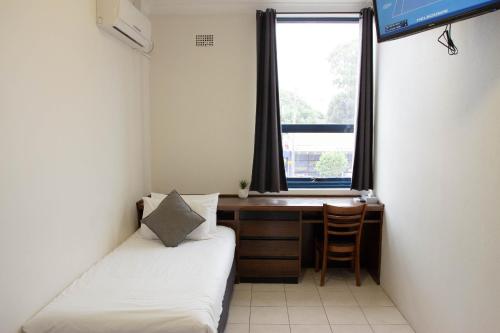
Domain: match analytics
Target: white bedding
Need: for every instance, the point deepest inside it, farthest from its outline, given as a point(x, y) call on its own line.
point(145, 287)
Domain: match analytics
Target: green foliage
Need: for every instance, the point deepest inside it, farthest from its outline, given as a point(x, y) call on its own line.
point(294, 110)
point(342, 108)
point(343, 65)
point(331, 164)
point(243, 184)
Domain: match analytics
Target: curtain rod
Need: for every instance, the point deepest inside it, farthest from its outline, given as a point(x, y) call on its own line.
point(292, 13)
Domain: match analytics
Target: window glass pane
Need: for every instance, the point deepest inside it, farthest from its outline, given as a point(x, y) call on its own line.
point(318, 72)
point(318, 155)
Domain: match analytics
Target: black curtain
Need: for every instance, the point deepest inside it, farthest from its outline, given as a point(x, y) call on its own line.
point(268, 172)
point(362, 176)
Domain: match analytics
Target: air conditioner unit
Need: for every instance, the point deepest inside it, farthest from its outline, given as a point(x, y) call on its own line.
point(123, 20)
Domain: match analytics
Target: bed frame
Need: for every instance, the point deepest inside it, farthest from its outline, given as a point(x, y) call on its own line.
point(227, 299)
point(229, 283)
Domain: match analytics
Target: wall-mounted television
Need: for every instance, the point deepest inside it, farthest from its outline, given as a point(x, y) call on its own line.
point(399, 18)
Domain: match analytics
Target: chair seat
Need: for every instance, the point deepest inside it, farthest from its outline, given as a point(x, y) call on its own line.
point(341, 245)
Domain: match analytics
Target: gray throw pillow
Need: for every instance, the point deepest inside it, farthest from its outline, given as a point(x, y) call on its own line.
point(173, 220)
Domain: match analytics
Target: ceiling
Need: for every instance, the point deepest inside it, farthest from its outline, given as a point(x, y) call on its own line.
point(161, 7)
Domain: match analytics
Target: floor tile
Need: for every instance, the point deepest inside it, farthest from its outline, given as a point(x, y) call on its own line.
point(269, 329)
point(345, 315)
point(371, 297)
point(302, 286)
point(236, 328)
point(310, 329)
point(310, 315)
point(239, 314)
point(366, 280)
point(303, 298)
point(329, 276)
point(339, 307)
point(241, 297)
point(267, 287)
point(347, 273)
point(243, 286)
point(269, 315)
point(392, 329)
point(308, 276)
point(337, 298)
point(365, 287)
point(338, 285)
point(304, 282)
point(382, 315)
point(268, 298)
point(332, 274)
point(351, 329)
point(310, 272)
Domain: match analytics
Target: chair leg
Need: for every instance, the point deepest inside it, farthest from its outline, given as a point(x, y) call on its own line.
point(356, 269)
point(323, 270)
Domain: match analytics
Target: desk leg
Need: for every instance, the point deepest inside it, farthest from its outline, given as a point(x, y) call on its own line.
point(371, 249)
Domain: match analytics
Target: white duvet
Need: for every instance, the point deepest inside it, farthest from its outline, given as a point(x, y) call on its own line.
point(145, 287)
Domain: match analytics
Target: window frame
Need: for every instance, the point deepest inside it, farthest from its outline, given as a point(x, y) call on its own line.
point(311, 182)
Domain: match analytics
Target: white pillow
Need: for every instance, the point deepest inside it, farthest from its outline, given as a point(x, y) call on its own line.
point(160, 196)
point(201, 204)
point(209, 201)
point(149, 207)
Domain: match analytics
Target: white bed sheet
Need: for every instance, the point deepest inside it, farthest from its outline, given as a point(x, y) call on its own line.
point(143, 286)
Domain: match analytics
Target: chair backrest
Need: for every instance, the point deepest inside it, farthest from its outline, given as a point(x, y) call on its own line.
point(344, 222)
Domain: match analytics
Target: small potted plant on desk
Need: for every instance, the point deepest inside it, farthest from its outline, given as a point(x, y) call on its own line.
point(243, 191)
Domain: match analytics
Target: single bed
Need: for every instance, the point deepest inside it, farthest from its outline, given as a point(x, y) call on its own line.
point(145, 287)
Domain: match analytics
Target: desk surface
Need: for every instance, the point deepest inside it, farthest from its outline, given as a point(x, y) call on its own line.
point(289, 203)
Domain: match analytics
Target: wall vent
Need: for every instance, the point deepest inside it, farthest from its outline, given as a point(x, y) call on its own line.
point(204, 40)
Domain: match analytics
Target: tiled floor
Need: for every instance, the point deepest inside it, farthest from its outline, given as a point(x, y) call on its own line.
point(338, 307)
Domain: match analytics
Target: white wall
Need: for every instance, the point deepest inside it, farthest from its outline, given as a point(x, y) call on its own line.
point(203, 103)
point(71, 141)
point(437, 171)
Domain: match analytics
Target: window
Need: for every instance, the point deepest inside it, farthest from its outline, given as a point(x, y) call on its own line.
point(318, 78)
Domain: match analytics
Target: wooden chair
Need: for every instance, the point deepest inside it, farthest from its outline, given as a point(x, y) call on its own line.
point(342, 227)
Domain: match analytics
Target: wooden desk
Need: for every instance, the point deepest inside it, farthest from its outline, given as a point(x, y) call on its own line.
point(275, 235)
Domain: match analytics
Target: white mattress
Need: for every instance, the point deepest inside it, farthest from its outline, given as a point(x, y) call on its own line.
point(143, 286)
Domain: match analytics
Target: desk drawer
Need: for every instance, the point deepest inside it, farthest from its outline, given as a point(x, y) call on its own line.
point(268, 268)
point(269, 248)
point(269, 229)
